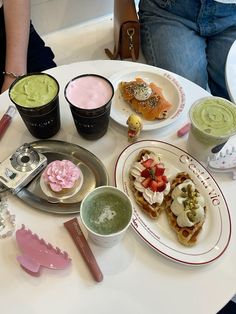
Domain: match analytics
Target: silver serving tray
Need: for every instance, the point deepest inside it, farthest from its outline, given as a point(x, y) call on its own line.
point(94, 173)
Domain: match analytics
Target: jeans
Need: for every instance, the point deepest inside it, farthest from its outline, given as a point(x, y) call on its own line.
point(189, 37)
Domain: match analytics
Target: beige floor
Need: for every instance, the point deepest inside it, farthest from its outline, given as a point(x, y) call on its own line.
point(83, 42)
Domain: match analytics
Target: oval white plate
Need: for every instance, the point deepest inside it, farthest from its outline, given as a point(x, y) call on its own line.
point(172, 91)
point(215, 235)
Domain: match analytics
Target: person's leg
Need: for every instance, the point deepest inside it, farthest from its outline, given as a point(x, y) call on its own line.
point(217, 22)
point(169, 41)
point(40, 57)
point(217, 51)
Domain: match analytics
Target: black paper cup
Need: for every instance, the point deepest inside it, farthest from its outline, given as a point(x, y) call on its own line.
point(93, 123)
point(42, 119)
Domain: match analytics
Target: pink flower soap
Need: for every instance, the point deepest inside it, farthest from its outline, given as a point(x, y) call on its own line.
point(61, 176)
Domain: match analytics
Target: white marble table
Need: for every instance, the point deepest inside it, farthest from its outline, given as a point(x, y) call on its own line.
point(230, 72)
point(136, 278)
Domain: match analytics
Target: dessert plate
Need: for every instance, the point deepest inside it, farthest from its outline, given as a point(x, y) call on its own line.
point(94, 174)
point(172, 91)
point(215, 235)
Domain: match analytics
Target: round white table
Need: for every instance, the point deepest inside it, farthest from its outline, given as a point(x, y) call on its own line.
point(136, 278)
point(230, 72)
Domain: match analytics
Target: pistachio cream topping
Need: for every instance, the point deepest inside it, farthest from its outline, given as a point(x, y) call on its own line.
point(188, 204)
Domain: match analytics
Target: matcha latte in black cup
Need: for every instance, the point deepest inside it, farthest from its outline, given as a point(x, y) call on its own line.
point(89, 97)
point(35, 96)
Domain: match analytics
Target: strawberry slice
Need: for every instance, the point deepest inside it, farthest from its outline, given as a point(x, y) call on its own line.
point(157, 186)
point(161, 185)
point(145, 173)
point(153, 185)
point(145, 182)
point(159, 171)
point(159, 179)
point(164, 178)
point(147, 163)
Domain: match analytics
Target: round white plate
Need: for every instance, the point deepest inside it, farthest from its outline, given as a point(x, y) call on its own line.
point(215, 235)
point(172, 91)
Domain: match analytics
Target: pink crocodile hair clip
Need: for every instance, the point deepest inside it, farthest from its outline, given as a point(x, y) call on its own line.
point(36, 253)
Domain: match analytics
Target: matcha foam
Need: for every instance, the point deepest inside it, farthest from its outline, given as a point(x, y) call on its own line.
point(107, 213)
point(215, 117)
point(34, 91)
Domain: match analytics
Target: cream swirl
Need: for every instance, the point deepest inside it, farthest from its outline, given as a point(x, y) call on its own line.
point(61, 174)
point(188, 204)
point(150, 196)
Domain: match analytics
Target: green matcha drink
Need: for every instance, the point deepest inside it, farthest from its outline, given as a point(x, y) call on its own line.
point(213, 121)
point(106, 213)
point(34, 91)
point(36, 98)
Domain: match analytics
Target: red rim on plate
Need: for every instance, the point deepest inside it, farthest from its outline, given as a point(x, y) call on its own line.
point(216, 233)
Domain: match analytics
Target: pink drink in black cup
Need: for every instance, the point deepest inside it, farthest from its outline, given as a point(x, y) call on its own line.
point(35, 96)
point(89, 97)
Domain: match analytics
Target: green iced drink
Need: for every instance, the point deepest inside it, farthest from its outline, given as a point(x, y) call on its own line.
point(213, 121)
point(34, 91)
point(215, 117)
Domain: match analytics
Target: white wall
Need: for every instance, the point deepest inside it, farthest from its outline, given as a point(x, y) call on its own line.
point(52, 15)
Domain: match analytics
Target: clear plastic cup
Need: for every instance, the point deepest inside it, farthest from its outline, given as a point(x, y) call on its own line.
point(213, 122)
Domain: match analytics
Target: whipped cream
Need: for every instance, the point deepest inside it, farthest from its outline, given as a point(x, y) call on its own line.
point(61, 174)
point(142, 91)
point(150, 196)
point(188, 204)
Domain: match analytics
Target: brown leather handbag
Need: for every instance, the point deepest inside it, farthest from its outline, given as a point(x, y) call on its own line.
point(126, 31)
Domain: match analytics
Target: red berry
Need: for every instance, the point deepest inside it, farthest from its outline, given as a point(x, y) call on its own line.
point(153, 185)
point(145, 182)
point(159, 171)
point(145, 173)
point(147, 163)
point(161, 186)
point(164, 178)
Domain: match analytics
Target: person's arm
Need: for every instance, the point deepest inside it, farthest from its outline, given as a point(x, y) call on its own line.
point(17, 24)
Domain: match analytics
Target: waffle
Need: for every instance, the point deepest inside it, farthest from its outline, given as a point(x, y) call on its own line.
point(152, 210)
point(186, 235)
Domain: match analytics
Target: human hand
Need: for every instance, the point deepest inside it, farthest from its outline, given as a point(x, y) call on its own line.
point(8, 80)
